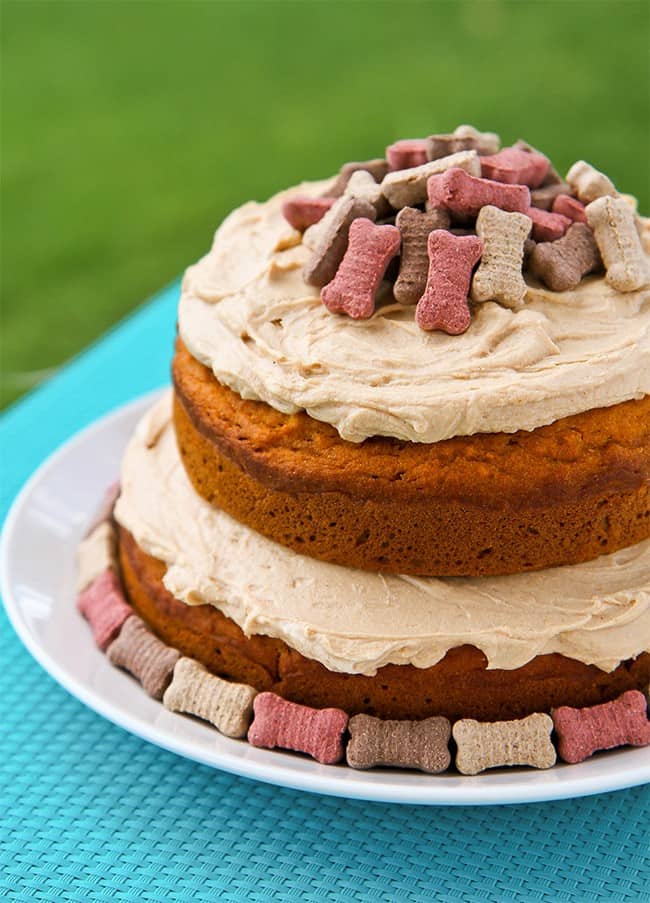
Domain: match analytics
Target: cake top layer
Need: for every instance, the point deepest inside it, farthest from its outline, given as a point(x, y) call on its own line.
point(357, 621)
point(247, 313)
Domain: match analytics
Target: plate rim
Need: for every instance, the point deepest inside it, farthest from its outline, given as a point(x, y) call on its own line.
point(375, 786)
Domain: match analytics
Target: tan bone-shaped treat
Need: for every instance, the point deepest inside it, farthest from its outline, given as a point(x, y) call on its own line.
point(415, 228)
point(377, 169)
point(96, 554)
point(401, 744)
point(407, 187)
point(612, 222)
point(332, 238)
point(499, 275)
point(144, 656)
point(362, 185)
point(193, 690)
point(483, 745)
point(588, 183)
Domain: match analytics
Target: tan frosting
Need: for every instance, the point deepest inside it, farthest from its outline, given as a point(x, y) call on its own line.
point(355, 621)
point(246, 313)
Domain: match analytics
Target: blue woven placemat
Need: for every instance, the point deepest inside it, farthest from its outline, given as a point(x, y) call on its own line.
point(89, 812)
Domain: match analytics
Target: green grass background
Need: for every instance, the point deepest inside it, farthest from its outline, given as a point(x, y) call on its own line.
point(129, 129)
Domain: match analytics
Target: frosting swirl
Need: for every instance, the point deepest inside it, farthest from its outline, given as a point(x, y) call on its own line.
point(246, 313)
point(354, 621)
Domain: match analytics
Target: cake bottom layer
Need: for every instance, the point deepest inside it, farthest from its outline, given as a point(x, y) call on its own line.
point(458, 686)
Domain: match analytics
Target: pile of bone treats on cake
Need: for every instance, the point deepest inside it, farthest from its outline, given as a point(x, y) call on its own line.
point(452, 218)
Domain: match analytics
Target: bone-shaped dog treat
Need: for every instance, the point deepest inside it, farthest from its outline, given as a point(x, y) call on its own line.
point(552, 177)
point(332, 239)
point(563, 263)
point(362, 185)
point(144, 656)
point(103, 605)
point(465, 137)
point(415, 228)
point(280, 723)
point(526, 741)
point(193, 690)
point(516, 167)
point(353, 289)
point(545, 196)
point(612, 221)
point(464, 194)
point(406, 153)
point(408, 187)
point(588, 183)
point(499, 276)
point(377, 169)
point(622, 722)
point(96, 554)
point(547, 226)
point(105, 510)
point(302, 211)
point(402, 744)
point(444, 302)
point(570, 207)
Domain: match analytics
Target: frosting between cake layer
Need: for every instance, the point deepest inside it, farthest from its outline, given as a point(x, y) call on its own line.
point(246, 313)
point(355, 621)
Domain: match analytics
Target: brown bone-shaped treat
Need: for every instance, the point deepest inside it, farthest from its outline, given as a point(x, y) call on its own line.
point(288, 725)
point(482, 745)
point(401, 744)
point(545, 196)
point(194, 690)
point(377, 169)
point(622, 722)
point(144, 656)
point(465, 137)
point(353, 289)
point(444, 302)
point(415, 228)
point(561, 264)
point(333, 239)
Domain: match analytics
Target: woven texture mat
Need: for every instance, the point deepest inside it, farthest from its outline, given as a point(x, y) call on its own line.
point(89, 812)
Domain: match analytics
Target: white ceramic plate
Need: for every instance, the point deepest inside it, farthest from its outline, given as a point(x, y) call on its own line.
point(38, 586)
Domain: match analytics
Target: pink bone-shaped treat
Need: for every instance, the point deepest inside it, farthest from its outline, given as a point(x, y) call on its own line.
point(581, 732)
point(444, 302)
point(570, 207)
point(464, 195)
point(516, 167)
point(302, 211)
point(547, 226)
point(280, 723)
point(370, 250)
point(103, 605)
point(407, 153)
